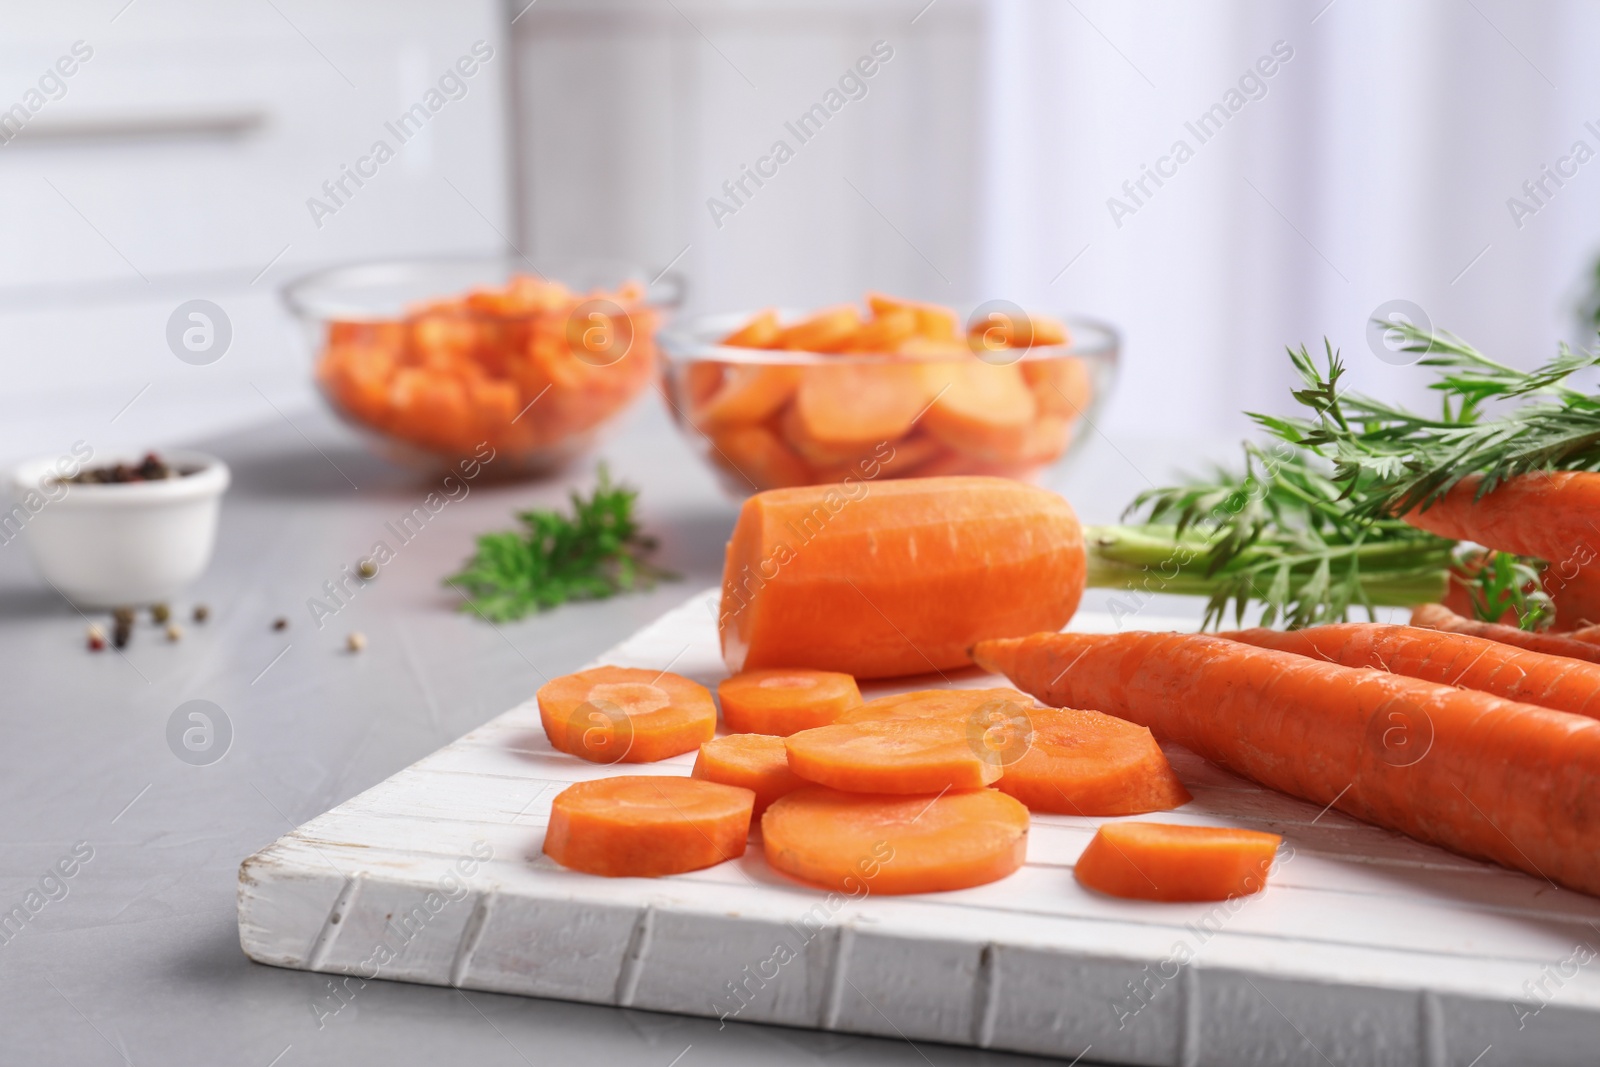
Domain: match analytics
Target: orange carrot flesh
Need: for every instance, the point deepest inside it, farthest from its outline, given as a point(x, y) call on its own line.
point(979, 409)
point(757, 762)
point(1547, 515)
point(1471, 772)
point(1439, 617)
point(625, 715)
point(1073, 762)
point(1557, 682)
point(644, 826)
point(901, 577)
point(893, 756)
point(958, 704)
point(1161, 861)
point(785, 701)
point(858, 843)
point(760, 332)
point(746, 394)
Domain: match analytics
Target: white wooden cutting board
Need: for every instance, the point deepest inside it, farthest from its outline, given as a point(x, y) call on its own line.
point(1366, 949)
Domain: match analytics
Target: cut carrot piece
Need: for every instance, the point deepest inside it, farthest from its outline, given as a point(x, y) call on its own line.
point(625, 715)
point(644, 826)
point(748, 394)
point(785, 701)
point(933, 703)
point(760, 332)
point(1160, 861)
point(757, 762)
point(1060, 386)
point(849, 408)
point(885, 332)
point(900, 579)
point(1439, 617)
point(910, 755)
point(1073, 762)
point(897, 459)
point(859, 843)
point(998, 330)
point(758, 457)
point(979, 409)
point(830, 330)
point(934, 321)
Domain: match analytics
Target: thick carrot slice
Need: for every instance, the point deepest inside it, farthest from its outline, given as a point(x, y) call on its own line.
point(625, 715)
point(979, 409)
point(1549, 515)
point(934, 321)
point(960, 704)
point(896, 459)
point(758, 456)
point(886, 332)
point(830, 330)
point(760, 332)
point(748, 394)
point(757, 762)
point(851, 407)
point(901, 579)
point(1439, 617)
point(785, 701)
point(999, 330)
point(1558, 682)
point(859, 843)
point(1073, 762)
point(644, 826)
point(1161, 861)
point(1060, 386)
point(1483, 776)
point(911, 755)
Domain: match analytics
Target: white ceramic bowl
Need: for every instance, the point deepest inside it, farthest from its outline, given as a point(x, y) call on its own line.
point(115, 544)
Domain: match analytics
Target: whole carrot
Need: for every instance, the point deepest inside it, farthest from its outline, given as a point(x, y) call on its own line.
point(1549, 516)
point(1483, 776)
point(1439, 617)
point(1555, 682)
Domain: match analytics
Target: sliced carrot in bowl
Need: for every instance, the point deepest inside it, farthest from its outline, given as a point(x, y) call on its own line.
point(645, 826)
point(757, 762)
point(850, 407)
point(758, 457)
point(747, 394)
point(978, 408)
point(626, 715)
point(829, 330)
point(762, 331)
point(786, 700)
point(1166, 862)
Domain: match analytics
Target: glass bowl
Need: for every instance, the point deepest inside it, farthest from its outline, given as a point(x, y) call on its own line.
point(437, 361)
point(770, 418)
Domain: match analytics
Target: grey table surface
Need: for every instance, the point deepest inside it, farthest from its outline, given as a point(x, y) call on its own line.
point(135, 958)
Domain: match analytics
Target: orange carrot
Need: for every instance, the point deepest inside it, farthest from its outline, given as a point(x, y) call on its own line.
point(747, 394)
point(895, 577)
point(754, 455)
point(923, 755)
point(1073, 762)
point(643, 826)
point(1549, 515)
point(785, 701)
point(757, 762)
point(760, 332)
point(979, 409)
point(1162, 861)
point(1439, 617)
point(829, 330)
point(1557, 682)
point(960, 704)
point(843, 410)
point(858, 843)
point(1486, 777)
point(934, 322)
point(625, 715)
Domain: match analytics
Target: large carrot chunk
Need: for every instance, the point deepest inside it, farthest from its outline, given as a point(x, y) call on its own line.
point(756, 762)
point(894, 756)
point(625, 715)
point(849, 407)
point(1073, 762)
point(858, 843)
point(644, 826)
point(980, 409)
point(785, 701)
point(1160, 861)
point(900, 579)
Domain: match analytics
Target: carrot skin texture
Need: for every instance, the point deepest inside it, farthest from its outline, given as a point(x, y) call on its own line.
point(1544, 515)
point(862, 578)
point(1439, 617)
point(1165, 862)
point(1485, 777)
point(1556, 682)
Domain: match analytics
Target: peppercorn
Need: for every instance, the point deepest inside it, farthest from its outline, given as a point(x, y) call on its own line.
point(160, 612)
point(120, 633)
point(123, 616)
point(356, 641)
point(201, 613)
point(280, 623)
point(367, 569)
point(96, 637)
point(174, 632)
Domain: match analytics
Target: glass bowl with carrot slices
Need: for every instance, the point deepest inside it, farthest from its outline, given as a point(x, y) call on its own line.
point(439, 361)
point(897, 389)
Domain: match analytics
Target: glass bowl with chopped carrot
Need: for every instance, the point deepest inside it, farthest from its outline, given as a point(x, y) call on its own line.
point(438, 361)
point(894, 389)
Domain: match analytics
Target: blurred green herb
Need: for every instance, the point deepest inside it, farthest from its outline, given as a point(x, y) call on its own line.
point(596, 552)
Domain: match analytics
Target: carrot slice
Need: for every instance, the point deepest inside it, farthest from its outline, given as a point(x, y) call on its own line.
point(934, 321)
point(849, 408)
point(785, 701)
point(1060, 386)
point(911, 755)
point(757, 762)
point(999, 330)
point(1439, 617)
point(747, 394)
point(757, 456)
point(886, 332)
point(861, 843)
point(933, 703)
point(863, 581)
point(644, 826)
point(979, 409)
point(829, 330)
point(1161, 861)
point(1074, 762)
point(760, 332)
point(625, 715)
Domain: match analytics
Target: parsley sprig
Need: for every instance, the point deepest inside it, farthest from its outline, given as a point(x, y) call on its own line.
point(596, 552)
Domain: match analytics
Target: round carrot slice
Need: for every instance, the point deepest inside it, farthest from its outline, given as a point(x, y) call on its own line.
point(861, 843)
point(783, 702)
point(1161, 861)
point(1075, 762)
point(933, 703)
point(625, 715)
point(914, 755)
point(757, 762)
point(642, 826)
